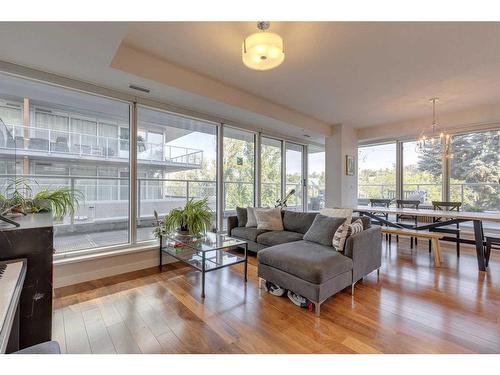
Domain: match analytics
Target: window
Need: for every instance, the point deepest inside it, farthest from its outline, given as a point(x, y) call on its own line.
point(238, 169)
point(176, 162)
point(475, 171)
point(270, 160)
point(64, 138)
point(422, 173)
point(315, 178)
point(376, 172)
point(294, 176)
point(66, 144)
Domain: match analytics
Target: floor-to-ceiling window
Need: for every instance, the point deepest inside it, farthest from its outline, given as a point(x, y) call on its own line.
point(176, 162)
point(315, 178)
point(422, 172)
point(68, 141)
point(238, 169)
point(475, 171)
point(294, 167)
point(270, 171)
point(376, 172)
point(63, 138)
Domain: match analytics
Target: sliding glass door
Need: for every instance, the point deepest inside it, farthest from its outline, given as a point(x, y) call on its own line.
point(270, 171)
point(238, 170)
point(294, 176)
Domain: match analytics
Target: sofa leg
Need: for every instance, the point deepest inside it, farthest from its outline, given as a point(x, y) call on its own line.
point(378, 272)
point(261, 283)
point(317, 308)
point(352, 289)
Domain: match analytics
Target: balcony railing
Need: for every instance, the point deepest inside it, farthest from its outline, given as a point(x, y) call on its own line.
point(51, 141)
point(474, 196)
point(102, 216)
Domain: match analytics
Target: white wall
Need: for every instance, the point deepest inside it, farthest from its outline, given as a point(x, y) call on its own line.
point(74, 271)
point(341, 190)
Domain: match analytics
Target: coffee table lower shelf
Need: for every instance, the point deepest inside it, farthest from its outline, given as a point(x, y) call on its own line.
point(207, 260)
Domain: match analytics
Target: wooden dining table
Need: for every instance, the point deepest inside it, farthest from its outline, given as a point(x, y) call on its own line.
point(446, 218)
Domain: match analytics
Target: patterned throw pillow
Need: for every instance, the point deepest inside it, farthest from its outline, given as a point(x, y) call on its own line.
point(269, 218)
point(338, 242)
point(339, 212)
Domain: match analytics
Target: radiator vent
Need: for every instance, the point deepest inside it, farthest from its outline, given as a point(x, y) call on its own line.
point(139, 88)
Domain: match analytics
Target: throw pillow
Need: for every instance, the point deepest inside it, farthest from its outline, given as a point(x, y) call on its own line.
point(323, 228)
point(251, 219)
point(338, 239)
point(346, 213)
point(269, 218)
point(241, 213)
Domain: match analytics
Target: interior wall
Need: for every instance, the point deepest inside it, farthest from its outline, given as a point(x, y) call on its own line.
point(341, 190)
point(82, 270)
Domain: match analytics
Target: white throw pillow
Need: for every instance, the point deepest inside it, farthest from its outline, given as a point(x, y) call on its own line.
point(352, 229)
point(339, 212)
point(269, 218)
point(251, 219)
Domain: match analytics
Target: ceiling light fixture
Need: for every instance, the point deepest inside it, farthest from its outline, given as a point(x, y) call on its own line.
point(435, 140)
point(263, 50)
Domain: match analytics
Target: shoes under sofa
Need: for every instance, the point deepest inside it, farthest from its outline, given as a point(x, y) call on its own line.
point(310, 267)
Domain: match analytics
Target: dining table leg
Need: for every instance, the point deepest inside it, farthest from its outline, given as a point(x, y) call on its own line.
point(478, 237)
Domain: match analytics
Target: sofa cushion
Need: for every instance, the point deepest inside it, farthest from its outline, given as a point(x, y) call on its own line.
point(298, 221)
point(241, 213)
point(278, 237)
point(247, 233)
point(307, 260)
point(323, 228)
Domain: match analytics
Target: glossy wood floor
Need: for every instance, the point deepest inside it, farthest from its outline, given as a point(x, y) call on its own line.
point(411, 308)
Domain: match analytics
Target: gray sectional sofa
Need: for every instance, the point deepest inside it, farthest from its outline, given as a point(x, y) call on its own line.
point(310, 267)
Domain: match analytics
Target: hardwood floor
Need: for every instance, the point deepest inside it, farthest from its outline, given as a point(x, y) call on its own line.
point(412, 307)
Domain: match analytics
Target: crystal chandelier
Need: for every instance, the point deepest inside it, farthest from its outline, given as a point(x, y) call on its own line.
point(436, 140)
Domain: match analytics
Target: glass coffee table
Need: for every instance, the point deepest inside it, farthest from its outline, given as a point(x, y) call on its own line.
point(205, 254)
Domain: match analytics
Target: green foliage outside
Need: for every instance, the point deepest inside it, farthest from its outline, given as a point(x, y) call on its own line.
point(238, 163)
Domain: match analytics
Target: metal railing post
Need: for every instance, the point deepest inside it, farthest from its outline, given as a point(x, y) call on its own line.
point(49, 140)
point(139, 201)
point(72, 187)
point(187, 191)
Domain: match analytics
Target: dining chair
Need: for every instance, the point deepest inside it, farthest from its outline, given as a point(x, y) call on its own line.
point(448, 206)
point(380, 202)
point(412, 204)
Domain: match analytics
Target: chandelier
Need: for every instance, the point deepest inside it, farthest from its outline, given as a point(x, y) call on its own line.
point(263, 50)
point(436, 140)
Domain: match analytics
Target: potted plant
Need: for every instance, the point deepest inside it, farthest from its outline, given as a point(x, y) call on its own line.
point(194, 219)
point(60, 202)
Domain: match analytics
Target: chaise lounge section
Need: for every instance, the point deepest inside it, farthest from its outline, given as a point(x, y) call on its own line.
point(312, 269)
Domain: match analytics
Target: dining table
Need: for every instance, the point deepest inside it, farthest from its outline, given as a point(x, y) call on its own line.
point(446, 218)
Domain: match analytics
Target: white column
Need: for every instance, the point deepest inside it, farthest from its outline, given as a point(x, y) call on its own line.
point(341, 190)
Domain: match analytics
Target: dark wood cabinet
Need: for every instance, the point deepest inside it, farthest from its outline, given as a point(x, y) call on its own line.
point(33, 240)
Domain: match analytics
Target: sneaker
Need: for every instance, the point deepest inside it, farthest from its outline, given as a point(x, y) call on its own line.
point(298, 300)
point(274, 289)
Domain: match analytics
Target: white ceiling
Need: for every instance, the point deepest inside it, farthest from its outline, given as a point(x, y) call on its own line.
point(362, 74)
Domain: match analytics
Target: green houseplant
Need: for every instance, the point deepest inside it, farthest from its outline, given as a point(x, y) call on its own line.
point(60, 201)
point(194, 219)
